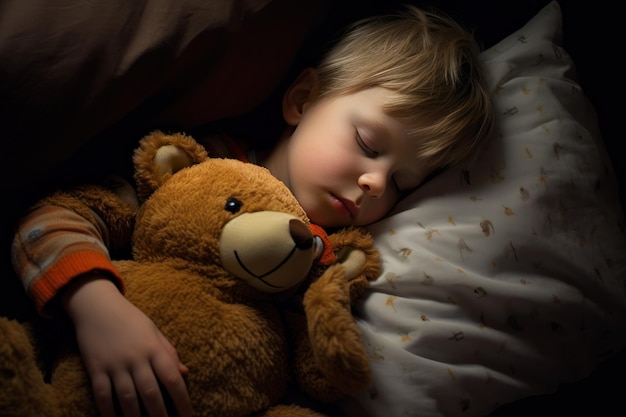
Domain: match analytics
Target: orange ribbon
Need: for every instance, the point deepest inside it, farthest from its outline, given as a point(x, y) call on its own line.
point(328, 255)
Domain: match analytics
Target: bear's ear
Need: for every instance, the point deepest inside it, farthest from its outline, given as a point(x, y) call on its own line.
point(161, 155)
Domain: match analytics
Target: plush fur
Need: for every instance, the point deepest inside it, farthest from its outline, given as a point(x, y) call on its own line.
point(244, 332)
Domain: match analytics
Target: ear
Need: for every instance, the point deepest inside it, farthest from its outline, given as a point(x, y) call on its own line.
point(302, 91)
point(159, 156)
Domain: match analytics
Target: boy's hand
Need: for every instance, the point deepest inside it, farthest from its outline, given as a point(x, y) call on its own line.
point(125, 354)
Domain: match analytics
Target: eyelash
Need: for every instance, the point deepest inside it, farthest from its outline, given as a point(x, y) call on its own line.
point(368, 151)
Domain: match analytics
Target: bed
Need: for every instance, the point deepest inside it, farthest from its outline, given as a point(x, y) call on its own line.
point(503, 288)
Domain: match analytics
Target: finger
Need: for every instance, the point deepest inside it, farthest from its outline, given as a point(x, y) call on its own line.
point(103, 395)
point(126, 394)
point(150, 392)
point(174, 384)
point(182, 368)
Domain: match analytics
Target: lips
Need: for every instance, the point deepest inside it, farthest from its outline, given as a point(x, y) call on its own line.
point(348, 206)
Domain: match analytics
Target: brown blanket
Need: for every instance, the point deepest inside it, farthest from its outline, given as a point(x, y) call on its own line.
point(70, 70)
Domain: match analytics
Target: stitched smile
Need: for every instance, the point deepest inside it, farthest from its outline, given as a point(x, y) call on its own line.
point(260, 277)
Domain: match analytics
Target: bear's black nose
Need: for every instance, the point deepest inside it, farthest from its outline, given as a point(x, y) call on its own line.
point(301, 234)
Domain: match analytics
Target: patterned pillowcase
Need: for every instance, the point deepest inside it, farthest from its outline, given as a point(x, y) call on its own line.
point(505, 278)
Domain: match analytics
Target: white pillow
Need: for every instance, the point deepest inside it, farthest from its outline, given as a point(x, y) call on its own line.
point(506, 278)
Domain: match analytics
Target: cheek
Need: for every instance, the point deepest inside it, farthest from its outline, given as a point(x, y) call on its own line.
point(319, 152)
point(307, 159)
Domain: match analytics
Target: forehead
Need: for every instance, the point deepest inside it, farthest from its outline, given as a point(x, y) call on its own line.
point(369, 109)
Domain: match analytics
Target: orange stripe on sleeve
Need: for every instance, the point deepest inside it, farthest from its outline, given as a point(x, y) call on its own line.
point(64, 270)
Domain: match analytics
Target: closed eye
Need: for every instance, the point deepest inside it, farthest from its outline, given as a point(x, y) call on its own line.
point(400, 192)
point(366, 149)
point(396, 187)
point(405, 182)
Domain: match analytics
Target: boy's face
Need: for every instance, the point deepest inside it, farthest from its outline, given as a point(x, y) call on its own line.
point(347, 162)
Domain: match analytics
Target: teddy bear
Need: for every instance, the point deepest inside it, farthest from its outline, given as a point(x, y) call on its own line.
point(229, 267)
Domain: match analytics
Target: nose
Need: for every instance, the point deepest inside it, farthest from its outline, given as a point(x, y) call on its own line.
point(373, 184)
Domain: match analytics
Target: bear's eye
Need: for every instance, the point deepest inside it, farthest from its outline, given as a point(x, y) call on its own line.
point(233, 205)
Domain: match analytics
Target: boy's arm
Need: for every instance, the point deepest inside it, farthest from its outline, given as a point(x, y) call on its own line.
point(67, 235)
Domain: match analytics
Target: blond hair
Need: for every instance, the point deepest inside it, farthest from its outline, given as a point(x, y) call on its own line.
point(430, 63)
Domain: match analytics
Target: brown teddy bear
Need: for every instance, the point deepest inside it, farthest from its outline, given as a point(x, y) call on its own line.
point(228, 266)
